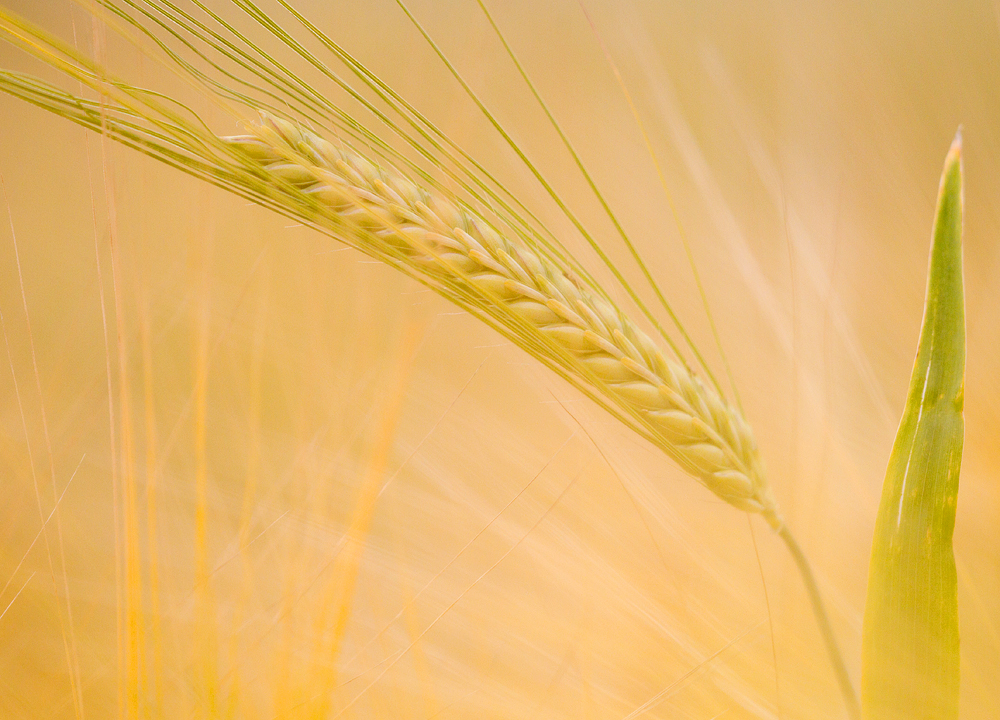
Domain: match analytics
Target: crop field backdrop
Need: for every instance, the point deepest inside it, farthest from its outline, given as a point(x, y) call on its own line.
point(248, 472)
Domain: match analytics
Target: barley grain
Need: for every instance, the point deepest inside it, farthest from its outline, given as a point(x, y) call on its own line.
point(545, 305)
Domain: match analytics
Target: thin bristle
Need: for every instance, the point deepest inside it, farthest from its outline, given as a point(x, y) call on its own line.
point(546, 308)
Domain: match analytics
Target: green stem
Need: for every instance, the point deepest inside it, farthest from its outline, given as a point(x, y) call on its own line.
point(822, 619)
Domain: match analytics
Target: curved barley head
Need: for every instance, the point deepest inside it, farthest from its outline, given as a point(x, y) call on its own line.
point(542, 306)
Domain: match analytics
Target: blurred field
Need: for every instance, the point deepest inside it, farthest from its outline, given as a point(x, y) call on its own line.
point(293, 484)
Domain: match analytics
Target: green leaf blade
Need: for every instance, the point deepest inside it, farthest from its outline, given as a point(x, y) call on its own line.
point(910, 642)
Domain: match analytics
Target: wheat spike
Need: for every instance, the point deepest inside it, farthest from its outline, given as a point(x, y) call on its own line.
point(579, 330)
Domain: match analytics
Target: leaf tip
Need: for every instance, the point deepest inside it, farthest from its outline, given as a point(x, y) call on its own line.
point(950, 192)
point(955, 152)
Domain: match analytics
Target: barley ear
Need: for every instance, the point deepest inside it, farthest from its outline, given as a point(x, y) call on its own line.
point(545, 309)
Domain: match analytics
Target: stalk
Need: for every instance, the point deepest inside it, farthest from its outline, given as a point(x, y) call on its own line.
point(822, 618)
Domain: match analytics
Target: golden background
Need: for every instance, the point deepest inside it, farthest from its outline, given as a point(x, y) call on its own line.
point(325, 492)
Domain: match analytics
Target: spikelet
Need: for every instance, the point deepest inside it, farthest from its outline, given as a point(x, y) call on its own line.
point(379, 208)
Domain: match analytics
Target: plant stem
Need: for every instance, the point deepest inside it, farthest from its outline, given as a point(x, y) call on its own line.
point(822, 619)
